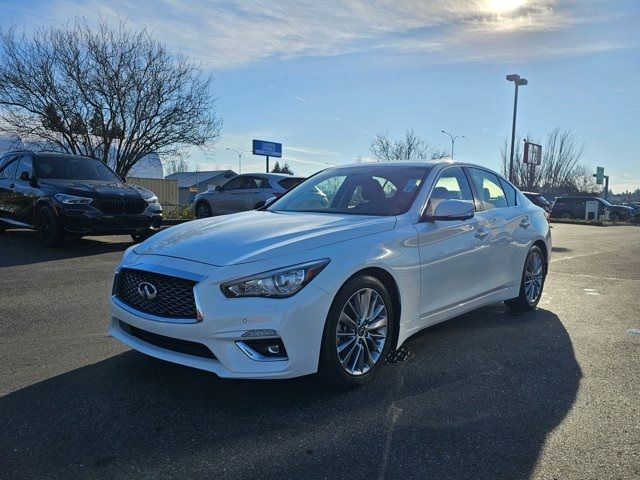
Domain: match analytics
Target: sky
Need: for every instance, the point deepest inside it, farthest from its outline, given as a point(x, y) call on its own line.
point(323, 77)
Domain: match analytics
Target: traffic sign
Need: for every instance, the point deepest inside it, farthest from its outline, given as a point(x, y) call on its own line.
point(599, 175)
point(267, 149)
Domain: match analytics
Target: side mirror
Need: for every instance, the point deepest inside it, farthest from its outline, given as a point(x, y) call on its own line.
point(124, 179)
point(448, 210)
point(25, 176)
point(218, 188)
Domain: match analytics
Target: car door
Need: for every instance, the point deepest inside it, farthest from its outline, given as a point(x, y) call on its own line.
point(24, 192)
point(7, 187)
point(224, 200)
point(249, 194)
point(265, 190)
point(510, 228)
point(453, 254)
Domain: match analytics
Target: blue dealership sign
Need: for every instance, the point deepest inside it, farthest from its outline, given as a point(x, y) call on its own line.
point(268, 149)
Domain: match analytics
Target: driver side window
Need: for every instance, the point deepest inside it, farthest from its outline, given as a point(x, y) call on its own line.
point(452, 185)
point(233, 184)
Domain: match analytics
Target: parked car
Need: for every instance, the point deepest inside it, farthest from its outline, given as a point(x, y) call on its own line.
point(62, 195)
point(574, 206)
point(243, 192)
point(539, 200)
point(290, 290)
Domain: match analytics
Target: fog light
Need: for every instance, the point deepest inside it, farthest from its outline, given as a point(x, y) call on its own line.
point(264, 350)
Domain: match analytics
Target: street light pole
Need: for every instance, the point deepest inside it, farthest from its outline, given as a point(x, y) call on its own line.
point(239, 157)
point(453, 140)
point(518, 82)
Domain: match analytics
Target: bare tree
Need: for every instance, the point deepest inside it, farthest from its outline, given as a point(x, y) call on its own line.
point(110, 93)
point(176, 165)
point(559, 171)
point(409, 147)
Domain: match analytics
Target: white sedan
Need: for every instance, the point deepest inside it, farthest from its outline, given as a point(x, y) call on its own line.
point(332, 286)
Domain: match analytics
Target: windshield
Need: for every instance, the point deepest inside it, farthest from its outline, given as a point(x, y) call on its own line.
point(62, 167)
point(374, 190)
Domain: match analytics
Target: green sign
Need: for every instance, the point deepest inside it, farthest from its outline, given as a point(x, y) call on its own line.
point(599, 175)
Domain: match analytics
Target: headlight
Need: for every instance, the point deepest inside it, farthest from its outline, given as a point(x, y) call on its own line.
point(72, 199)
point(279, 283)
point(152, 200)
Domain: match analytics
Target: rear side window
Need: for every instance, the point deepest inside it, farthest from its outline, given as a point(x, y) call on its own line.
point(288, 183)
point(489, 189)
point(510, 193)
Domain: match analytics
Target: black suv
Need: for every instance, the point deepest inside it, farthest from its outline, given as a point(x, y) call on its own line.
point(574, 206)
point(62, 195)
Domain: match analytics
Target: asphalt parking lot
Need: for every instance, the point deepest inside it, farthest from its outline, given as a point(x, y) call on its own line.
point(551, 394)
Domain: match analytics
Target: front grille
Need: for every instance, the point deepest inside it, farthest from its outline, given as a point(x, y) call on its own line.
point(119, 205)
point(168, 343)
point(174, 296)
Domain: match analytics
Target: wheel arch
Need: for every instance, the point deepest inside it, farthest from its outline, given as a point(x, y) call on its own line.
point(391, 285)
point(543, 246)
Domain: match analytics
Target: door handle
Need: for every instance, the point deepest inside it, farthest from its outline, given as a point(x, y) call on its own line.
point(12, 185)
point(481, 233)
point(525, 223)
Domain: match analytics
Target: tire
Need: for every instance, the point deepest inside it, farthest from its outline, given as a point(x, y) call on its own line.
point(614, 217)
point(356, 336)
point(48, 227)
point(565, 216)
point(141, 237)
point(535, 271)
point(203, 210)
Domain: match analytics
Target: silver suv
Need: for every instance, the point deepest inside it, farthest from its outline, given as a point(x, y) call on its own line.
point(243, 192)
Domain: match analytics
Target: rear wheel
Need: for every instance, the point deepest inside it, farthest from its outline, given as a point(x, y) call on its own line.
point(532, 283)
point(203, 210)
point(358, 333)
point(48, 227)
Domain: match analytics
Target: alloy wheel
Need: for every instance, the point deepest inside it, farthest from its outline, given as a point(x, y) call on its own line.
point(533, 276)
point(361, 331)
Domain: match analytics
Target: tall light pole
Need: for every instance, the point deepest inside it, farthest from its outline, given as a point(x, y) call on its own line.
point(239, 157)
point(453, 140)
point(518, 81)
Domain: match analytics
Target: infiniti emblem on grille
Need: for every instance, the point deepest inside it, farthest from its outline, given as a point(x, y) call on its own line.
point(147, 290)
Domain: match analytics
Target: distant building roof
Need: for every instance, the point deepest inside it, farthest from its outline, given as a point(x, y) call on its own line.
point(190, 179)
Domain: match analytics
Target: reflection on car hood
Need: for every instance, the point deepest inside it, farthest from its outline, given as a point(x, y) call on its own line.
point(93, 187)
point(258, 235)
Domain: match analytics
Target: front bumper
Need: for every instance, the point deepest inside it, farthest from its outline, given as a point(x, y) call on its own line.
point(298, 322)
point(91, 221)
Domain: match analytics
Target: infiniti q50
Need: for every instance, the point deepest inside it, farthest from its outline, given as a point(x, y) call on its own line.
point(332, 285)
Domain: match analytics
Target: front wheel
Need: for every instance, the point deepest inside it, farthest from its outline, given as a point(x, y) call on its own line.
point(48, 227)
point(358, 334)
point(141, 236)
point(532, 282)
point(203, 210)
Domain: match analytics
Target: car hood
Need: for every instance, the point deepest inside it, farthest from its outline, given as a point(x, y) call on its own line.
point(96, 187)
point(258, 235)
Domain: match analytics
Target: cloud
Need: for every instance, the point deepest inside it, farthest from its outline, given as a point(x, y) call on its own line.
point(235, 33)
